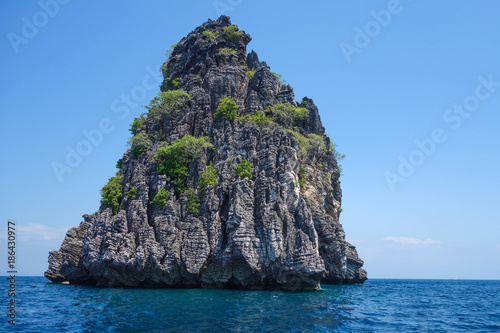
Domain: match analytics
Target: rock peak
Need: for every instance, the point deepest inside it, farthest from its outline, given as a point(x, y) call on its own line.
point(224, 20)
point(229, 182)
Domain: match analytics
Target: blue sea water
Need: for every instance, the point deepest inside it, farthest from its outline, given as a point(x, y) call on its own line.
point(376, 306)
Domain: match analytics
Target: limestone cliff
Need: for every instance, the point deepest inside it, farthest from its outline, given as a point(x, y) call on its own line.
point(192, 217)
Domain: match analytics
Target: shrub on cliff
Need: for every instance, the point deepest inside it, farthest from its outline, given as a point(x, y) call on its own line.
point(209, 35)
point(316, 141)
point(279, 77)
point(250, 72)
point(140, 143)
point(287, 114)
point(137, 124)
point(311, 144)
point(302, 176)
point(164, 68)
point(338, 156)
point(173, 160)
point(227, 108)
point(132, 193)
point(208, 178)
point(227, 50)
point(244, 169)
point(112, 193)
point(170, 84)
point(259, 118)
point(170, 50)
point(161, 198)
point(167, 102)
point(232, 32)
point(193, 203)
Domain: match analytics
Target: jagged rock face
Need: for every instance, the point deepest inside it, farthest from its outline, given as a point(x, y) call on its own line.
point(259, 233)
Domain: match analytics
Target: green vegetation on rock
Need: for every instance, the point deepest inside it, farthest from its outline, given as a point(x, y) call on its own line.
point(313, 143)
point(287, 114)
point(132, 193)
point(193, 202)
point(170, 84)
point(163, 68)
point(227, 108)
point(232, 33)
point(208, 177)
point(279, 77)
point(137, 123)
point(140, 143)
point(250, 72)
point(112, 192)
point(259, 118)
point(209, 35)
point(167, 102)
point(244, 169)
point(227, 50)
point(338, 156)
point(161, 198)
point(119, 163)
point(169, 51)
point(333, 149)
point(302, 175)
point(173, 160)
point(316, 141)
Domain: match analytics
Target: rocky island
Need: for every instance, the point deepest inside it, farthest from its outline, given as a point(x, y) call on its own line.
point(229, 182)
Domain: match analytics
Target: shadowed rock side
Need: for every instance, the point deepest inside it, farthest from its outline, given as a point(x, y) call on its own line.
point(278, 230)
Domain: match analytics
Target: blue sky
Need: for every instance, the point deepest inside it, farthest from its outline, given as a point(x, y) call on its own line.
point(384, 74)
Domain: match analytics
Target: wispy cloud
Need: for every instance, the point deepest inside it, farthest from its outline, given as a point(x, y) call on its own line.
point(412, 241)
point(40, 232)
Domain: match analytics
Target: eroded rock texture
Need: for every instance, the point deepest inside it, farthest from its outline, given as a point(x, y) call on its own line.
point(261, 233)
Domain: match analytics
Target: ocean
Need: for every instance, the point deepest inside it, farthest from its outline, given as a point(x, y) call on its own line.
point(379, 305)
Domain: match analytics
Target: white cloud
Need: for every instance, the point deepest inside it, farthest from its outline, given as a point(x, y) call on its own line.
point(412, 241)
point(40, 232)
